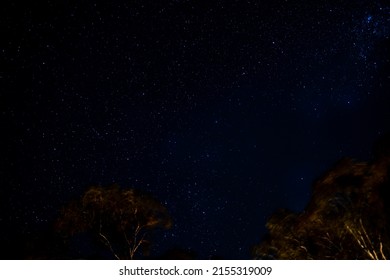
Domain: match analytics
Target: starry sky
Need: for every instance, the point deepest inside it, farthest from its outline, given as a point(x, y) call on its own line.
point(224, 110)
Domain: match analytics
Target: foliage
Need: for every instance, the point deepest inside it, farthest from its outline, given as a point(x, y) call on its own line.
point(347, 217)
point(122, 220)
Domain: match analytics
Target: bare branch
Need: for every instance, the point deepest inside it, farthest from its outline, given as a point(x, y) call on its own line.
point(106, 241)
point(109, 245)
point(364, 241)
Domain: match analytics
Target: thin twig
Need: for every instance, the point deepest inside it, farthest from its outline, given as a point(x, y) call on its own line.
point(107, 242)
point(109, 245)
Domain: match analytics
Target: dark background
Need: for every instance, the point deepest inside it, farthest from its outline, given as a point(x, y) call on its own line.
point(223, 110)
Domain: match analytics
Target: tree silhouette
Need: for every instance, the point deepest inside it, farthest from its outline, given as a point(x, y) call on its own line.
point(348, 216)
point(122, 220)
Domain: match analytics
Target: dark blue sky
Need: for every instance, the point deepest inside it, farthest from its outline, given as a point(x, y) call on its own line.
point(225, 111)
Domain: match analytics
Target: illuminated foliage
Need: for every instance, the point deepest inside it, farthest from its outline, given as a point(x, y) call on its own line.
point(348, 216)
point(122, 220)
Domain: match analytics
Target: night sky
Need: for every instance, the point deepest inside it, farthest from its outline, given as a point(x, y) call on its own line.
point(224, 110)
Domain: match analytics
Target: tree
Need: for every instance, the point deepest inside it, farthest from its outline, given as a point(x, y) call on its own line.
point(122, 220)
point(347, 217)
